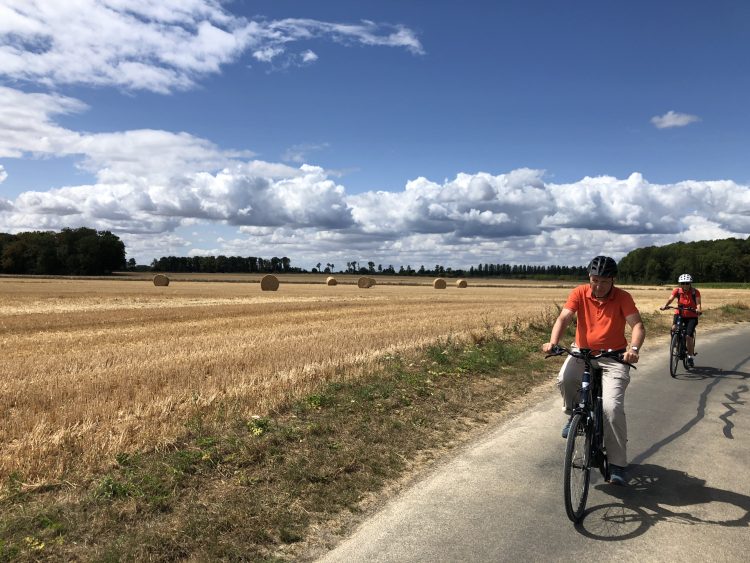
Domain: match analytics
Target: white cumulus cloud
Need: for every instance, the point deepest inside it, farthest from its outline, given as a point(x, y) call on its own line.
point(470, 205)
point(157, 46)
point(303, 213)
point(29, 129)
point(673, 119)
point(28, 126)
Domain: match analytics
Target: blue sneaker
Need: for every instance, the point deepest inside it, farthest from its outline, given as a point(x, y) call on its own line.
point(617, 475)
point(566, 428)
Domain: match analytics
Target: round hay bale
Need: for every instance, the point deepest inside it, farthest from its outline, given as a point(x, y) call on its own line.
point(365, 283)
point(330, 280)
point(461, 283)
point(161, 280)
point(372, 281)
point(439, 283)
point(269, 283)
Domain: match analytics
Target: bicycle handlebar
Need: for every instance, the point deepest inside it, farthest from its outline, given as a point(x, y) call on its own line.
point(586, 354)
point(682, 308)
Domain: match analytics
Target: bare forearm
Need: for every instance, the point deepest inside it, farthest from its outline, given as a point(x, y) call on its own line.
point(558, 330)
point(638, 335)
point(562, 322)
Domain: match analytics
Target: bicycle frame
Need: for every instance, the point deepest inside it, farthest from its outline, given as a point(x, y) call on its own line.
point(585, 443)
point(590, 408)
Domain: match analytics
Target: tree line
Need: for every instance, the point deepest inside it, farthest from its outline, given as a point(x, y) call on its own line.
point(482, 270)
point(726, 260)
point(85, 251)
point(252, 264)
point(224, 264)
point(81, 251)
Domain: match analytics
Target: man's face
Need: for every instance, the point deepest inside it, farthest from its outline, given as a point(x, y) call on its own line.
point(600, 285)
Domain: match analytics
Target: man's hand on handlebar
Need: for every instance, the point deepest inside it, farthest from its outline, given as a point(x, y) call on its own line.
point(630, 357)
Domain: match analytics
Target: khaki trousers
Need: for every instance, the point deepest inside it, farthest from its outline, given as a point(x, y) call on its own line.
point(615, 379)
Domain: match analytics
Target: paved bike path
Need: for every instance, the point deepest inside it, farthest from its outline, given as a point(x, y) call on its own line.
point(501, 498)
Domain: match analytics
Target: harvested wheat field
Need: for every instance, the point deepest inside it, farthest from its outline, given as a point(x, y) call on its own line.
point(92, 368)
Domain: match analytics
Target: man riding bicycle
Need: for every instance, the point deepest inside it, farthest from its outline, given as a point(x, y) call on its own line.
point(687, 296)
point(602, 311)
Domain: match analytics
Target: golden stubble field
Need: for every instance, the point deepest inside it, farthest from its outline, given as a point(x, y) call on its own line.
point(92, 368)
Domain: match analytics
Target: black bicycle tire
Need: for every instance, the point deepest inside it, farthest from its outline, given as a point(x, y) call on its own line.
point(579, 434)
point(674, 354)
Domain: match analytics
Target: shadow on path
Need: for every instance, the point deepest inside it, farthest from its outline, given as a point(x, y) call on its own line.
point(657, 494)
point(706, 372)
point(718, 376)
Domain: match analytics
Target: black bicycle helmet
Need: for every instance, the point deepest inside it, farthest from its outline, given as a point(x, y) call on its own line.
point(603, 266)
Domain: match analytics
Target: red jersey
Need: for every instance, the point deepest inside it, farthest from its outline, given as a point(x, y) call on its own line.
point(601, 325)
point(687, 299)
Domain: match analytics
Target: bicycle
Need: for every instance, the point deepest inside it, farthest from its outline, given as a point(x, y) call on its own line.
point(678, 343)
point(585, 446)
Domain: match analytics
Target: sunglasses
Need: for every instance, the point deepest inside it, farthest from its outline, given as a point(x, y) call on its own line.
point(684, 284)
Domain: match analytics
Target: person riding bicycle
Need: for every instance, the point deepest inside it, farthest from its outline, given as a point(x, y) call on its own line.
point(602, 310)
point(687, 296)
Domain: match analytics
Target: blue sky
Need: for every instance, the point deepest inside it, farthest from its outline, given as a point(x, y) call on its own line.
point(402, 132)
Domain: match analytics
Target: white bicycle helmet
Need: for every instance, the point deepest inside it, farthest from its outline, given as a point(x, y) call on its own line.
point(685, 278)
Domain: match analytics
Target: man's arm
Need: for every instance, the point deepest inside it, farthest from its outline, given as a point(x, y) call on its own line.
point(637, 337)
point(562, 322)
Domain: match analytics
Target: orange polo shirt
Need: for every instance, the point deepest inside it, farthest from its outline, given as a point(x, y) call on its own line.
point(601, 325)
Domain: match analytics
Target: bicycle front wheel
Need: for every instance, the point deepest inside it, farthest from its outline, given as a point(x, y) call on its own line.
point(577, 467)
point(674, 354)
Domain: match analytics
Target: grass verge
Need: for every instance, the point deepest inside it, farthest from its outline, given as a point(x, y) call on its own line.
point(262, 489)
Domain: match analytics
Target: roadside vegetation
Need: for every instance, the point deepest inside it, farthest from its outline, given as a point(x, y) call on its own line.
point(276, 487)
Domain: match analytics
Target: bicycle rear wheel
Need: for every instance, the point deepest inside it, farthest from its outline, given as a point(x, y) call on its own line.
point(577, 467)
point(674, 354)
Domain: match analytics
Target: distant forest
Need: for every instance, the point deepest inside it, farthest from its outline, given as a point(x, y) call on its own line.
point(71, 252)
point(84, 251)
point(726, 260)
point(223, 264)
point(252, 264)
